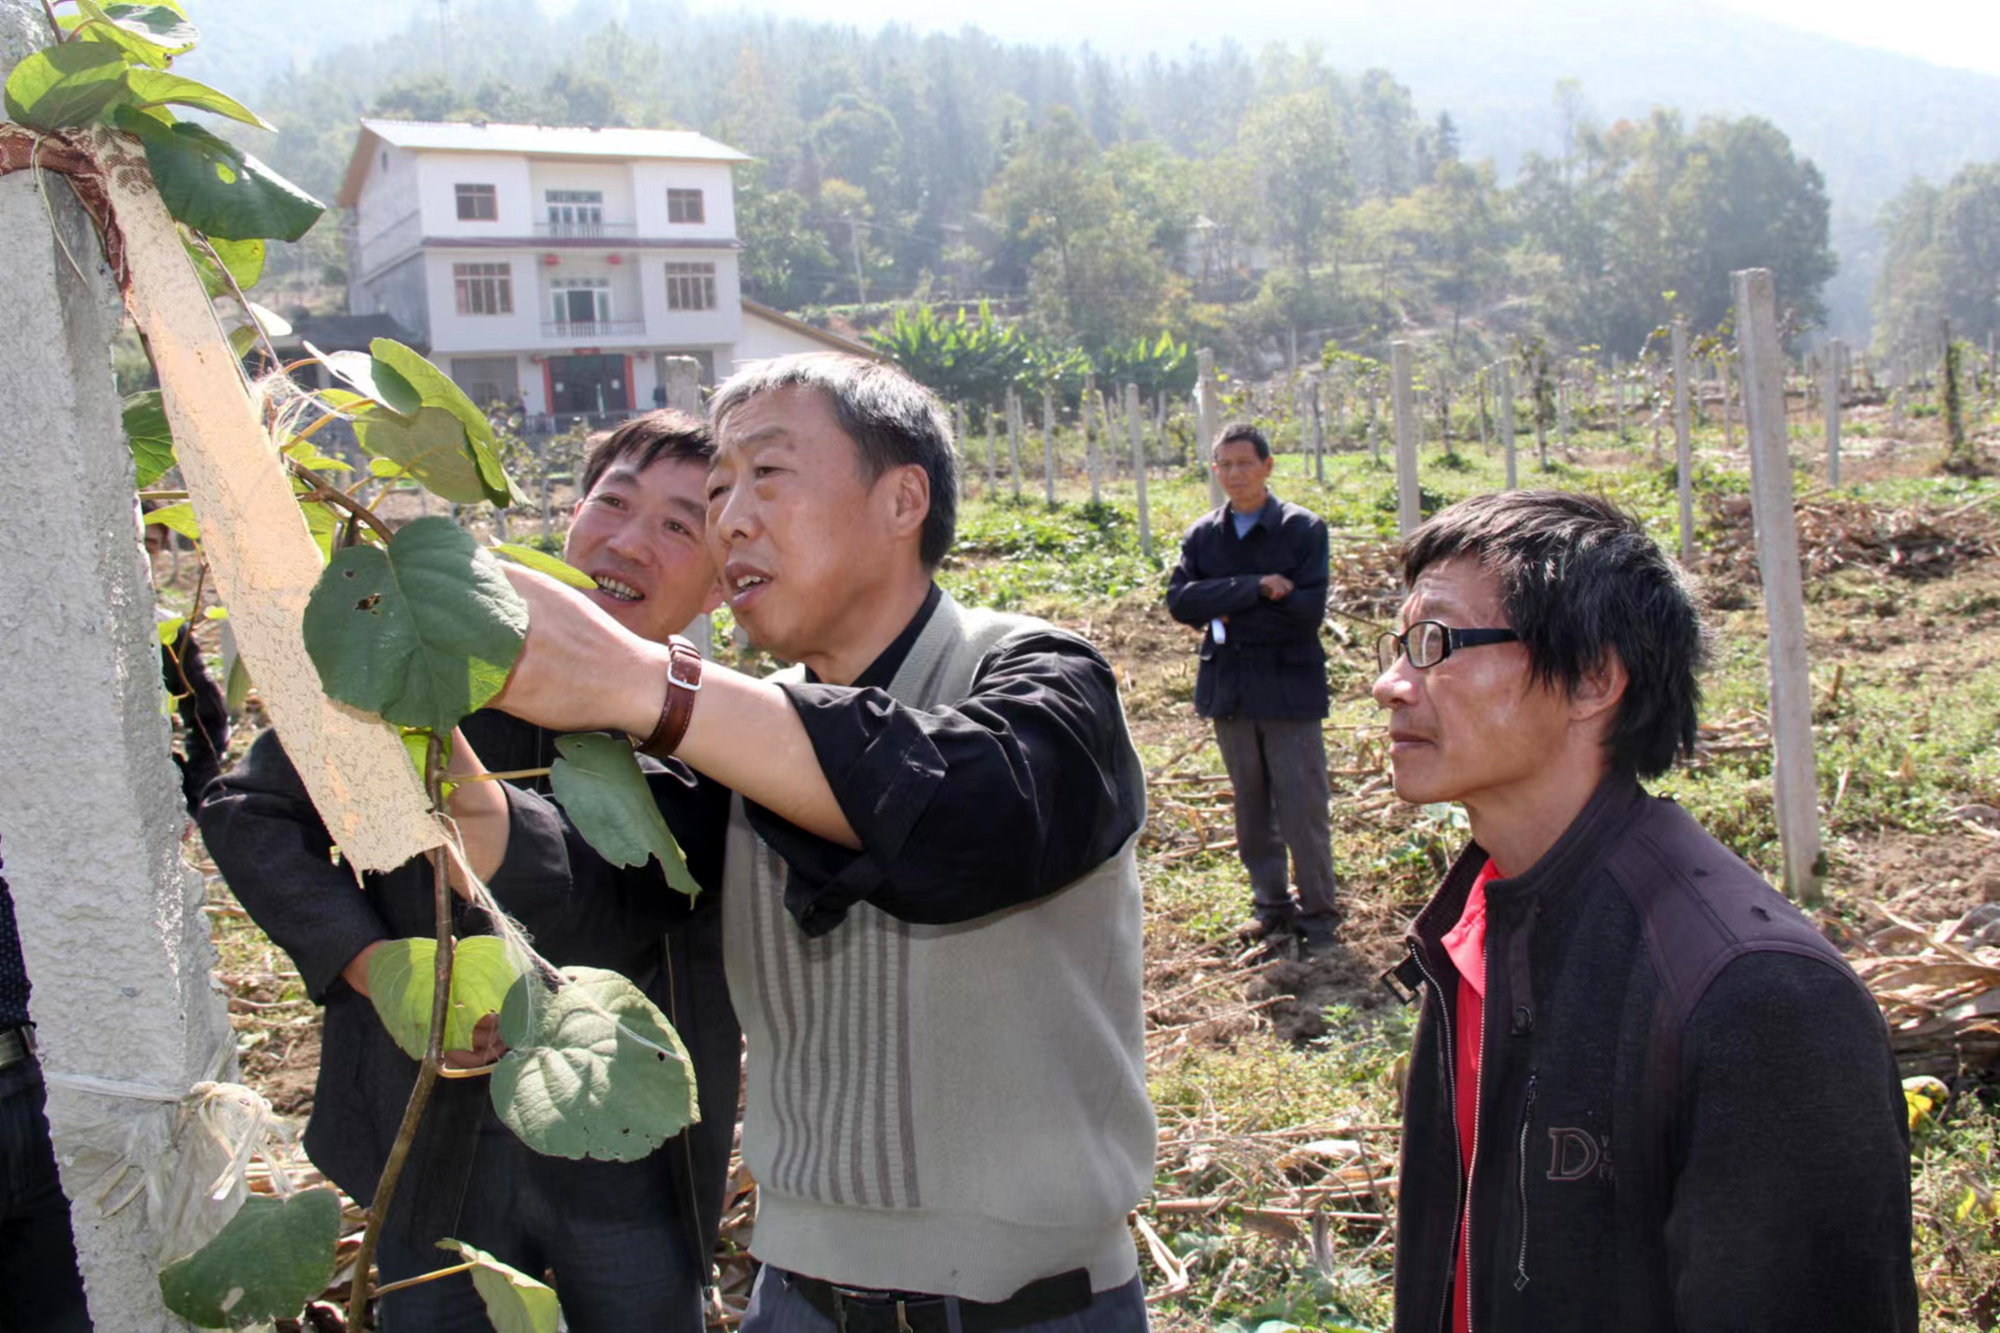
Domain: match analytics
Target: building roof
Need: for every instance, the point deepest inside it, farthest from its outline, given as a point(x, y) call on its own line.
point(346, 333)
point(530, 141)
point(834, 341)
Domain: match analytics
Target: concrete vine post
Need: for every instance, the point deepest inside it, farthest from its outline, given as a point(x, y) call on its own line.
point(1206, 425)
point(1409, 502)
point(1683, 444)
point(1728, 418)
point(1048, 445)
point(1795, 778)
point(1618, 400)
point(1014, 439)
point(1137, 437)
point(1506, 392)
point(110, 917)
point(992, 449)
point(1090, 438)
point(1830, 378)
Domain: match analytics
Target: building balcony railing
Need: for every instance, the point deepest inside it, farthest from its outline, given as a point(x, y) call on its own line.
point(592, 328)
point(586, 231)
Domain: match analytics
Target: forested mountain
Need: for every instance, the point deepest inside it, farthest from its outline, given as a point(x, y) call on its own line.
point(1401, 173)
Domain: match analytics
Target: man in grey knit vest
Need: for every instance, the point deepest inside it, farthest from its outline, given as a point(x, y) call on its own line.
point(931, 904)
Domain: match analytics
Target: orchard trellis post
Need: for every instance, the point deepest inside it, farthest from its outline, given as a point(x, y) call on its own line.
point(681, 377)
point(1014, 439)
point(1834, 353)
point(992, 462)
point(1795, 778)
point(1409, 502)
point(1205, 390)
point(1507, 424)
point(1048, 445)
point(1087, 408)
point(1683, 445)
point(1138, 439)
point(110, 917)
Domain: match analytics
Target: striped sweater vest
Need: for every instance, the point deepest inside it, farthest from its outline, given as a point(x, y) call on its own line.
point(950, 1109)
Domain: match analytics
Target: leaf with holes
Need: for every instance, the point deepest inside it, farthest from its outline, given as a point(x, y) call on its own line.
point(149, 34)
point(66, 86)
point(149, 436)
point(515, 1302)
point(401, 974)
point(265, 1264)
point(597, 781)
point(215, 187)
point(592, 1070)
point(422, 631)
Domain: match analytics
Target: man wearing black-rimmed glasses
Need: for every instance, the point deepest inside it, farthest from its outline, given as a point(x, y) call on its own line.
point(1647, 1094)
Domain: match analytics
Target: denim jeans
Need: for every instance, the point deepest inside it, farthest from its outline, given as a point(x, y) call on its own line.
point(775, 1307)
point(40, 1289)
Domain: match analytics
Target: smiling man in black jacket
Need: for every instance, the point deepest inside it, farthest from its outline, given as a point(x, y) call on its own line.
point(1646, 1094)
point(629, 1242)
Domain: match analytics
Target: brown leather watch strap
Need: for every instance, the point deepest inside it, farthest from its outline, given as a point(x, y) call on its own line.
point(683, 684)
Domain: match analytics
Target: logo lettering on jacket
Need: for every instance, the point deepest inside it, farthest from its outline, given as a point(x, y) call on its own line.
point(1576, 1154)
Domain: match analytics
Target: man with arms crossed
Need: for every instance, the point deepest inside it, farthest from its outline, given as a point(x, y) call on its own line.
point(629, 1243)
point(1253, 577)
point(1646, 1093)
point(932, 906)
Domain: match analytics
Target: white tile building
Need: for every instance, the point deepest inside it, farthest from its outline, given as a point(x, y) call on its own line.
point(556, 265)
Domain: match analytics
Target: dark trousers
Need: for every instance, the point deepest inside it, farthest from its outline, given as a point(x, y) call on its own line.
point(776, 1308)
point(1278, 769)
point(613, 1234)
point(40, 1289)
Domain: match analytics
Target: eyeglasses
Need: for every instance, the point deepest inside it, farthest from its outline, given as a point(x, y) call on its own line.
point(1429, 642)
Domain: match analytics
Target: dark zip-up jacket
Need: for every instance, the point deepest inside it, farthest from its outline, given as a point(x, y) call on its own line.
point(1270, 663)
point(1688, 1114)
point(267, 839)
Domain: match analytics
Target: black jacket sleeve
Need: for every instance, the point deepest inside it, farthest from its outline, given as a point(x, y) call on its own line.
point(203, 713)
point(1196, 595)
point(1791, 1198)
point(267, 839)
point(965, 810)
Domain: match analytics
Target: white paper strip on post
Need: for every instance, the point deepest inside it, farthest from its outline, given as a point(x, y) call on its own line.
point(260, 556)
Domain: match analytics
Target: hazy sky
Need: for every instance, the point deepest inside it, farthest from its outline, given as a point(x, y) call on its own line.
point(1962, 33)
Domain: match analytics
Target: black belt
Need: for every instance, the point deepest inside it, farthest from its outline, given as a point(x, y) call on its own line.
point(858, 1310)
point(17, 1046)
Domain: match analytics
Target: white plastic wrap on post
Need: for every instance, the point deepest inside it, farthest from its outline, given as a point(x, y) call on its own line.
point(1409, 502)
point(1138, 440)
point(1206, 425)
point(1683, 444)
point(1795, 777)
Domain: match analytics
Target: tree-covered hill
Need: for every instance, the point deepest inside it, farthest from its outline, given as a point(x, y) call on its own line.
point(1384, 174)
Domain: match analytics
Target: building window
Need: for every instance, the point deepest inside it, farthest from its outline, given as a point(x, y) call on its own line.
point(581, 304)
point(575, 212)
point(690, 286)
point(684, 206)
point(477, 204)
point(484, 289)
